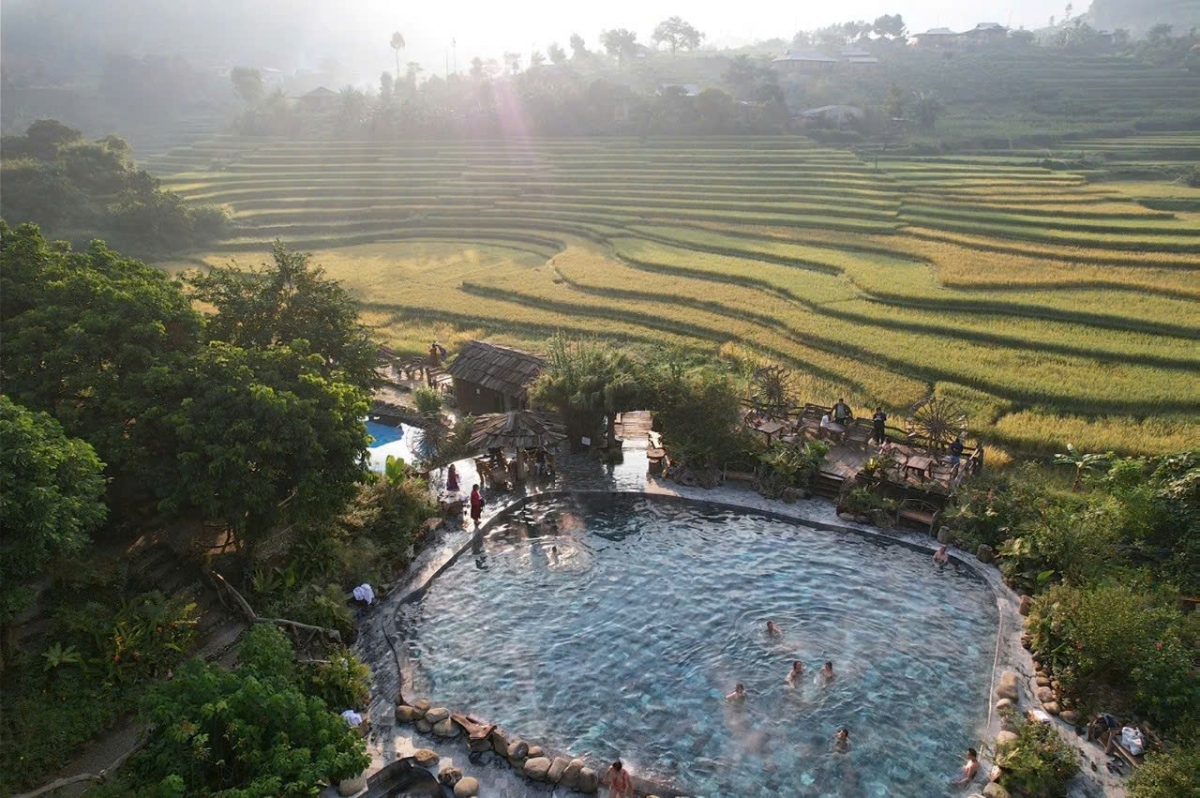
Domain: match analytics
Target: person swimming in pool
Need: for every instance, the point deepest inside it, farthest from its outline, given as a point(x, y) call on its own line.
point(826, 674)
point(969, 769)
point(773, 630)
point(796, 673)
point(841, 741)
point(941, 556)
point(738, 696)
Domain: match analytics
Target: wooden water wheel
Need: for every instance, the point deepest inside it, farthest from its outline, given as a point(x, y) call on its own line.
point(936, 422)
point(771, 392)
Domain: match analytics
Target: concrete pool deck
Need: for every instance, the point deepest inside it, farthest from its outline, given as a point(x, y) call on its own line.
point(378, 647)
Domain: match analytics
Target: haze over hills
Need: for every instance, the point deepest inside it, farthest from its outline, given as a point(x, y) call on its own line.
point(1138, 16)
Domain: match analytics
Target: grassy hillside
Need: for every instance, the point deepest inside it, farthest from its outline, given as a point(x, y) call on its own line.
point(1058, 310)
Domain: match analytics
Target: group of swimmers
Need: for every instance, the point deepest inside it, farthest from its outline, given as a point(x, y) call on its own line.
point(841, 740)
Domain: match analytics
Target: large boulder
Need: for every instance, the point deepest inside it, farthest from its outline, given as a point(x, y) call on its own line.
point(557, 768)
point(436, 714)
point(518, 751)
point(1004, 738)
point(480, 746)
point(537, 768)
point(1008, 686)
point(407, 714)
point(994, 790)
point(1025, 605)
point(499, 742)
point(467, 787)
point(444, 728)
point(426, 758)
point(422, 705)
point(1070, 716)
point(570, 776)
point(984, 553)
point(1005, 703)
point(534, 751)
point(450, 776)
point(588, 782)
point(1045, 695)
point(1051, 707)
point(423, 726)
point(348, 787)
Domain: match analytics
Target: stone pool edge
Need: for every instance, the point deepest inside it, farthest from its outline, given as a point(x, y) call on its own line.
point(1009, 655)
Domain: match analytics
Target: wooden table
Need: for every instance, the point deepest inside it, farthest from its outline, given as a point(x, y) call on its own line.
point(770, 428)
point(919, 465)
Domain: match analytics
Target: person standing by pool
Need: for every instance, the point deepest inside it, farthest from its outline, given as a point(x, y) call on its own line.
point(841, 741)
point(879, 422)
point(969, 770)
point(619, 783)
point(796, 674)
point(738, 696)
point(452, 479)
point(476, 505)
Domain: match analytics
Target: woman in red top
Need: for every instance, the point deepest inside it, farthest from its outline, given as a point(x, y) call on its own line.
point(476, 504)
point(619, 783)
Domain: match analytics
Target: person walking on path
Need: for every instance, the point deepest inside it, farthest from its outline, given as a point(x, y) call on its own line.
point(476, 505)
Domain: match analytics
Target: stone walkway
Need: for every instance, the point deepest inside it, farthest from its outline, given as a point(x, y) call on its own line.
point(379, 647)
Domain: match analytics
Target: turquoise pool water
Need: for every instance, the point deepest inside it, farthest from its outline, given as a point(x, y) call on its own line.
point(398, 441)
point(624, 642)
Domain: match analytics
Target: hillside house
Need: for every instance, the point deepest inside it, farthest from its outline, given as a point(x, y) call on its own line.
point(804, 61)
point(493, 379)
point(984, 33)
point(830, 116)
point(937, 38)
point(858, 56)
point(319, 99)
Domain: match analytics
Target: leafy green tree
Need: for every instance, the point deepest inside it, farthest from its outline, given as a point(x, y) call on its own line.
point(620, 43)
point(928, 107)
point(397, 46)
point(96, 340)
point(557, 54)
point(676, 33)
point(1082, 463)
point(50, 499)
point(890, 27)
point(285, 301)
point(260, 436)
point(244, 733)
point(579, 50)
point(248, 84)
point(586, 382)
point(1168, 774)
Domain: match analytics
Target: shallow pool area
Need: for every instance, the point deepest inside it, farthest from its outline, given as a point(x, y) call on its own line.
point(612, 625)
point(388, 441)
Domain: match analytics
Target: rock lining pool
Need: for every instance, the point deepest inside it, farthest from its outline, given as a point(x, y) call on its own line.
point(625, 641)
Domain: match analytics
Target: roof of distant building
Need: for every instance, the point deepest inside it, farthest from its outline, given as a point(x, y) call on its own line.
point(807, 56)
point(938, 32)
point(320, 92)
point(689, 89)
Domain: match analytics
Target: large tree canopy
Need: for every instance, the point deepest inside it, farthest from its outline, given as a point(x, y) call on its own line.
point(289, 300)
point(50, 489)
point(676, 34)
point(260, 435)
point(93, 338)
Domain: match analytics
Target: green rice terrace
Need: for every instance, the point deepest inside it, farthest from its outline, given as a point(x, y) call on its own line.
point(1056, 306)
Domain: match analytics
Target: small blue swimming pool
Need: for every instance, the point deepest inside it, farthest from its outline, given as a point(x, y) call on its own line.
point(387, 441)
point(624, 641)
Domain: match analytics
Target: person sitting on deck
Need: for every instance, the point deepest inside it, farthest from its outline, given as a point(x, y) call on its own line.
point(841, 412)
point(956, 450)
point(879, 422)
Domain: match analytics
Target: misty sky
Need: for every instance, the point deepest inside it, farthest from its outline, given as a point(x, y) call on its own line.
point(305, 34)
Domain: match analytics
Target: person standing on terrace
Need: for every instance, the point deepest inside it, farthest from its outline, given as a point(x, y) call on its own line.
point(842, 413)
point(476, 505)
point(879, 422)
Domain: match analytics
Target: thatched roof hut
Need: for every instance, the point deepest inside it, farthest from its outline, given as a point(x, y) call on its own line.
point(517, 429)
point(490, 378)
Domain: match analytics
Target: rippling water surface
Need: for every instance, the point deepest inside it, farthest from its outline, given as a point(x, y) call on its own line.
point(625, 641)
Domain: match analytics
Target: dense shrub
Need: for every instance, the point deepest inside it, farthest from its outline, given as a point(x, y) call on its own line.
point(790, 465)
point(700, 413)
point(342, 683)
point(990, 508)
point(1130, 648)
point(1168, 775)
point(1038, 764)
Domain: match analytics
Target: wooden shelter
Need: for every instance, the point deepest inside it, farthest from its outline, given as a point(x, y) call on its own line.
point(493, 379)
point(517, 429)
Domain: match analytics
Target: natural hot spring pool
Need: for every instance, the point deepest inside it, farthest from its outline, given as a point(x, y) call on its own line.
point(625, 643)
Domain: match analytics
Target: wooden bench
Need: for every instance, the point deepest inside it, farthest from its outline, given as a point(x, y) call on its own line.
point(921, 512)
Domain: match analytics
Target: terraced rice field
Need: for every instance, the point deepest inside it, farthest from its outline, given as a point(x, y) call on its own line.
point(1057, 310)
